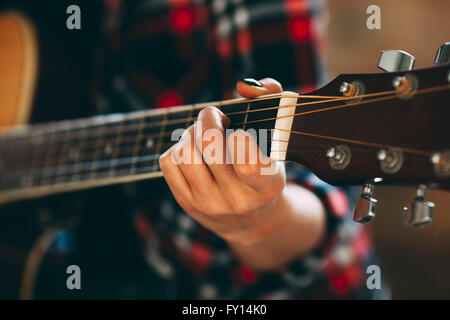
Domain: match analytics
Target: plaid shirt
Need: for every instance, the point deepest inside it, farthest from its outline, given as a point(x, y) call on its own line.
point(163, 53)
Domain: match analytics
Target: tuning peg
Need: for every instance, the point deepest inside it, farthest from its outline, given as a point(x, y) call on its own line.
point(364, 210)
point(443, 54)
point(395, 60)
point(421, 211)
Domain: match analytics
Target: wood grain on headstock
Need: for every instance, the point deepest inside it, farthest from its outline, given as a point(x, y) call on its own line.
point(420, 123)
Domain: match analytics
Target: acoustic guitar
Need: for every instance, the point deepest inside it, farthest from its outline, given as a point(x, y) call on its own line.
point(359, 129)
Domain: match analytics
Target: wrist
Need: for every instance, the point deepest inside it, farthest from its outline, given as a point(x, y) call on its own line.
point(296, 225)
point(264, 224)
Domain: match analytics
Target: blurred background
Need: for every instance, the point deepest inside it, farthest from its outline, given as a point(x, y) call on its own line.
point(415, 262)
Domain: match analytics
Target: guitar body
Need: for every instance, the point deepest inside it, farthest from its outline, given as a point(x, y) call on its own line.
point(19, 65)
point(18, 62)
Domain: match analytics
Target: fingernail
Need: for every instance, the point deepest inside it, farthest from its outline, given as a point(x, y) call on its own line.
point(252, 82)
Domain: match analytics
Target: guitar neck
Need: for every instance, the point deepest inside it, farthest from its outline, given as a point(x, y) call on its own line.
point(78, 154)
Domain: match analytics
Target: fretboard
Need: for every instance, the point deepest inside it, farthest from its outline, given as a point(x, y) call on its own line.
point(69, 155)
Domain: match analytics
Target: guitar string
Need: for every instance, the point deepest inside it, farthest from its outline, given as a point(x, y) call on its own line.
point(140, 115)
point(182, 121)
point(372, 100)
point(141, 172)
point(107, 141)
point(68, 171)
point(159, 135)
point(186, 121)
point(76, 176)
point(422, 91)
point(133, 127)
point(354, 141)
point(365, 143)
point(333, 98)
point(85, 136)
point(67, 168)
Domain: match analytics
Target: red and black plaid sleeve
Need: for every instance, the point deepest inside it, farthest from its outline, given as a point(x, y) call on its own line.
point(164, 53)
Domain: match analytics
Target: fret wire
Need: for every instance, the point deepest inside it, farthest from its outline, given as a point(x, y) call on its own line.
point(77, 155)
point(273, 118)
point(60, 154)
point(113, 135)
point(105, 164)
point(36, 146)
point(41, 145)
point(192, 108)
point(85, 147)
point(13, 159)
point(67, 170)
point(98, 148)
point(137, 145)
point(191, 114)
point(92, 172)
point(231, 102)
point(151, 157)
point(8, 158)
point(116, 147)
point(44, 170)
point(66, 151)
point(113, 118)
point(246, 116)
point(264, 143)
point(110, 139)
point(144, 114)
point(161, 133)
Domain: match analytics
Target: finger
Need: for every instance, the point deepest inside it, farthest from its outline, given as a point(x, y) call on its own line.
point(251, 165)
point(175, 179)
point(192, 166)
point(250, 88)
point(210, 140)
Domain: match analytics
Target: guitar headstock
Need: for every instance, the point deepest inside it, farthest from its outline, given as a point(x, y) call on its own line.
point(389, 128)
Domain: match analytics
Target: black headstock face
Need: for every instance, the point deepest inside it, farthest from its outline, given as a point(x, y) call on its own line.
point(395, 129)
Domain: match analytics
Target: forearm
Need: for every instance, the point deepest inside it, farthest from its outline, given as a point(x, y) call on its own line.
point(296, 225)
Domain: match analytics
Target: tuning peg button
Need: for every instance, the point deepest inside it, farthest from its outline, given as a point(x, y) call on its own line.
point(365, 207)
point(395, 60)
point(443, 54)
point(421, 211)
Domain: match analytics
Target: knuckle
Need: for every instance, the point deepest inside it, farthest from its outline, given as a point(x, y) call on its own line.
point(184, 145)
point(211, 208)
point(271, 195)
point(163, 160)
point(247, 170)
point(208, 111)
point(274, 190)
point(238, 203)
point(240, 207)
point(201, 192)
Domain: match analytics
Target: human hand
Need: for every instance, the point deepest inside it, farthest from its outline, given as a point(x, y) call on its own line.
point(234, 200)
